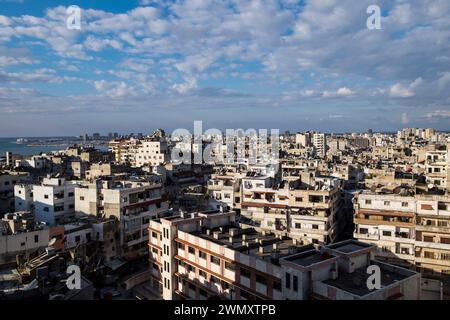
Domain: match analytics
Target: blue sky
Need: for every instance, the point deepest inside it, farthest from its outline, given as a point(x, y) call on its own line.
point(138, 65)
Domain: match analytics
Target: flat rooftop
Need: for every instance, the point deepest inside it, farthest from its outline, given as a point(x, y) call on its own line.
point(264, 245)
point(349, 246)
point(309, 258)
point(355, 282)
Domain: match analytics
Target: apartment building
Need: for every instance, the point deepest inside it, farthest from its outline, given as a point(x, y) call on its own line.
point(303, 139)
point(8, 179)
point(21, 236)
point(314, 210)
point(207, 254)
point(436, 168)
point(224, 190)
point(125, 150)
point(133, 202)
point(319, 142)
point(307, 211)
point(102, 169)
point(432, 245)
point(152, 153)
point(389, 222)
point(54, 200)
point(410, 231)
point(23, 197)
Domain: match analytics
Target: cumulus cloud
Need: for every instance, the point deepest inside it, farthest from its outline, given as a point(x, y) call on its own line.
point(399, 90)
point(282, 51)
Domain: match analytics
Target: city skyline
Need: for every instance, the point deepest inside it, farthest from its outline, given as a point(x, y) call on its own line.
point(293, 65)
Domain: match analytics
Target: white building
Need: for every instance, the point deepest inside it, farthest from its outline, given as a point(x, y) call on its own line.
point(320, 144)
point(54, 200)
point(152, 153)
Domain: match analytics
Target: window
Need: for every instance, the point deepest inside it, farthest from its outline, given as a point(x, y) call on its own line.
point(180, 246)
point(404, 204)
point(315, 226)
point(36, 238)
point(45, 196)
point(428, 239)
point(81, 198)
point(261, 279)
point(387, 233)
point(368, 201)
point(429, 255)
point(445, 240)
point(191, 250)
point(202, 254)
point(363, 230)
point(46, 209)
point(245, 273)
point(288, 280)
point(154, 235)
point(202, 273)
point(298, 199)
point(445, 256)
point(230, 266)
point(202, 293)
point(277, 285)
point(387, 203)
point(70, 194)
point(215, 260)
point(295, 283)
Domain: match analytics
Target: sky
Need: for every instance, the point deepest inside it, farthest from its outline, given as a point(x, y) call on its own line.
point(134, 66)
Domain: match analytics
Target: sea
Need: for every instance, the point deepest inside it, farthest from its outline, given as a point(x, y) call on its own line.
point(27, 149)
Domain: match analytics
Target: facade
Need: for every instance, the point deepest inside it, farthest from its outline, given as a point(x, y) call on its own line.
point(132, 203)
point(54, 200)
point(21, 236)
point(410, 231)
point(308, 212)
point(8, 180)
point(436, 166)
point(319, 142)
point(205, 255)
point(152, 153)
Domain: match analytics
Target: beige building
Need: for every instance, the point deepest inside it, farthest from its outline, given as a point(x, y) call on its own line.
point(132, 202)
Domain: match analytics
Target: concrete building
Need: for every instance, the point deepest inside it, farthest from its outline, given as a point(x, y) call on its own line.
point(54, 200)
point(132, 202)
point(436, 168)
point(21, 236)
point(207, 254)
point(8, 179)
point(307, 211)
point(152, 153)
point(410, 231)
point(320, 144)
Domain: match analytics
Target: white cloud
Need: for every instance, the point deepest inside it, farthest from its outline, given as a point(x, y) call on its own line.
point(399, 90)
point(341, 92)
point(183, 88)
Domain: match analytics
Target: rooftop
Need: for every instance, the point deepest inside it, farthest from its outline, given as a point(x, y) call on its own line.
point(355, 282)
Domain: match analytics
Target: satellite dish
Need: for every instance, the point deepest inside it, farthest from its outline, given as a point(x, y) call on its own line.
point(52, 242)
